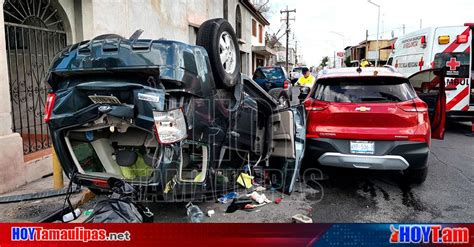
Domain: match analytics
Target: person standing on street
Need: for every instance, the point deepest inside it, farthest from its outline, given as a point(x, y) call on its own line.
point(307, 80)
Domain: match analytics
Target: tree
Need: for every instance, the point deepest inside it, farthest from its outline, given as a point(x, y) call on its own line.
point(263, 6)
point(324, 62)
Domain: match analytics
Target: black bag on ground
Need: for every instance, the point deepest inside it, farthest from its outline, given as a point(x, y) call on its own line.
point(120, 207)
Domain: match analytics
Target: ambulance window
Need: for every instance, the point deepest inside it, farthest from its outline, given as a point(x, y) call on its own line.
point(425, 82)
point(390, 60)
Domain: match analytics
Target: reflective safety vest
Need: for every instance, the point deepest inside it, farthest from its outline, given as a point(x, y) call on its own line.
point(306, 82)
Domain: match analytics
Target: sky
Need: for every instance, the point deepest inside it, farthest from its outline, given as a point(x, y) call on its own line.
point(318, 21)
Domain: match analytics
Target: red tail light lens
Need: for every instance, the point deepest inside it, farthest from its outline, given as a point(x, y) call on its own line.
point(48, 109)
point(285, 84)
point(315, 105)
point(415, 105)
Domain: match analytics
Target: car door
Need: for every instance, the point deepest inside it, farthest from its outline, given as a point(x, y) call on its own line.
point(286, 146)
point(430, 86)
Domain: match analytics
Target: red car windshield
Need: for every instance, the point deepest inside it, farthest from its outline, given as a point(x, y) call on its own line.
point(360, 89)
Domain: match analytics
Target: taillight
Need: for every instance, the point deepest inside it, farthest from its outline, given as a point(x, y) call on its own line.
point(285, 84)
point(170, 126)
point(462, 39)
point(315, 105)
point(415, 105)
point(100, 183)
point(48, 109)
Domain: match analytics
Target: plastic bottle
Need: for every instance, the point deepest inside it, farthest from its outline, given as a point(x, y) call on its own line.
point(70, 217)
point(195, 215)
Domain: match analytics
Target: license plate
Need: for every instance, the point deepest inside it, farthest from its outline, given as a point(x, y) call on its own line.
point(98, 99)
point(362, 147)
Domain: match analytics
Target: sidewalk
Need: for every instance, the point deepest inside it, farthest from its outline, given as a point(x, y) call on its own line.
point(34, 210)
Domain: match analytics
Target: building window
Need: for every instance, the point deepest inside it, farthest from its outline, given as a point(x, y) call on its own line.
point(254, 28)
point(226, 9)
point(238, 22)
point(260, 33)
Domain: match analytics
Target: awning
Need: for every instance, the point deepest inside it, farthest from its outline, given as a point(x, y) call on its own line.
point(263, 51)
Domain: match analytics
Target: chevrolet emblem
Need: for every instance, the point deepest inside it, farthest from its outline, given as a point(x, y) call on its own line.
point(363, 109)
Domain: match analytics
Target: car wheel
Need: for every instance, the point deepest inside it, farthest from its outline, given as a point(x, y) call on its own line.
point(218, 38)
point(415, 176)
point(281, 96)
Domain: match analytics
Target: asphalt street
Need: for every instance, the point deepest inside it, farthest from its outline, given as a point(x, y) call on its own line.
point(336, 195)
point(354, 196)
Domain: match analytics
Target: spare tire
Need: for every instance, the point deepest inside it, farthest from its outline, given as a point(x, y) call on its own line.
point(218, 38)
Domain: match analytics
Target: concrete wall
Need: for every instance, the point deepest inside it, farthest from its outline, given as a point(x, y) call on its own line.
point(172, 20)
point(12, 169)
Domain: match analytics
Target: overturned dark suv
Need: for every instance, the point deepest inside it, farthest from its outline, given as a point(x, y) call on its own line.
point(167, 115)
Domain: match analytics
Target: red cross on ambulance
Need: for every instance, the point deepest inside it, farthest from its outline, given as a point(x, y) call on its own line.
point(453, 64)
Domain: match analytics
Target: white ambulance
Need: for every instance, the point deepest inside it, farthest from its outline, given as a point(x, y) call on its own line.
point(446, 48)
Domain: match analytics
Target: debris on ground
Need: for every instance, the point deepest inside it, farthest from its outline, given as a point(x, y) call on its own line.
point(210, 213)
point(260, 189)
point(228, 197)
point(299, 218)
point(278, 200)
point(238, 204)
point(245, 180)
point(72, 215)
point(259, 198)
point(195, 215)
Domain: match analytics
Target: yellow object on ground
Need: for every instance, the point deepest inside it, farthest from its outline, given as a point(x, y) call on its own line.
point(245, 180)
point(58, 180)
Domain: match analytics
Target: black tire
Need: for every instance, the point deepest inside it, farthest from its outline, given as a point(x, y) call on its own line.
point(280, 95)
point(209, 36)
point(415, 176)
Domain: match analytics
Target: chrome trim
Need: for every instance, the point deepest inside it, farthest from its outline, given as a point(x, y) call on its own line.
point(386, 162)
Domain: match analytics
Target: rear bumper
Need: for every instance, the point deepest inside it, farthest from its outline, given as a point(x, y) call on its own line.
point(387, 162)
point(462, 115)
point(389, 155)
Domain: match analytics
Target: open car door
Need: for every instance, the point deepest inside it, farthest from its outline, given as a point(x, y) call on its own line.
point(287, 143)
point(430, 86)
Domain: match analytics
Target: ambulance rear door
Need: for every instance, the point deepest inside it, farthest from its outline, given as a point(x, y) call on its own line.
point(452, 54)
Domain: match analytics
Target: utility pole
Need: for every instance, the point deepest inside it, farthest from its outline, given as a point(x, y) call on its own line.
point(378, 30)
point(296, 51)
point(287, 19)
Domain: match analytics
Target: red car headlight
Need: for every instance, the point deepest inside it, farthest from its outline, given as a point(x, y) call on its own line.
point(170, 126)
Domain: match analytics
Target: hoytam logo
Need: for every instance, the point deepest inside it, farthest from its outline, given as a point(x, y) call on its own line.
point(74, 234)
point(435, 234)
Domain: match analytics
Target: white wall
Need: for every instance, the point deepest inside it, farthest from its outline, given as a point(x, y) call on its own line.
point(158, 18)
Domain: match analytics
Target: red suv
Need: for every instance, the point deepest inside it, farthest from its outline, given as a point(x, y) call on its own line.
point(372, 118)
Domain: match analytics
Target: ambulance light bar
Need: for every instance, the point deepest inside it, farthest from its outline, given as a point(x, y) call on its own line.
point(462, 39)
point(444, 39)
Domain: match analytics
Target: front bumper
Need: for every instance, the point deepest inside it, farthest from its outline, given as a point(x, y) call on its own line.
point(389, 155)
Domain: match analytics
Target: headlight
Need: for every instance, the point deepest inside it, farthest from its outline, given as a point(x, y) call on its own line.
point(170, 126)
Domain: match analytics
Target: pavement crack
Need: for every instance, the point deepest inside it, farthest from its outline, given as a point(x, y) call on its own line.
point(448, 165)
